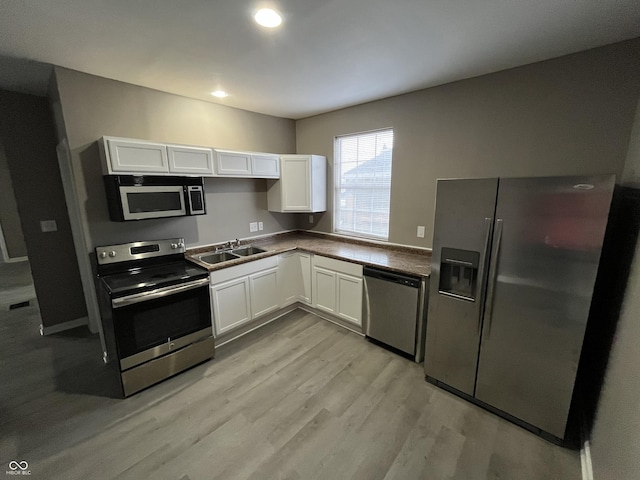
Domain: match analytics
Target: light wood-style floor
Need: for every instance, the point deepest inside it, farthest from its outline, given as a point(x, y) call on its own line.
point(299, 399)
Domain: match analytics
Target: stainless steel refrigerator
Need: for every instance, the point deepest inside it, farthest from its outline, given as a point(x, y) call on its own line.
point(513, 272)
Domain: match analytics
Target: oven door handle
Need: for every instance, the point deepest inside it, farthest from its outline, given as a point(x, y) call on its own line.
point(157, 293)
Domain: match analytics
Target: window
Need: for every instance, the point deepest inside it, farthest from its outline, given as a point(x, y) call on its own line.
point(363, 184)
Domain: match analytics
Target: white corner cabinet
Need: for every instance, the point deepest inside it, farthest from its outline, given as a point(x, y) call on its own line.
point(130, 156)
point(247, 164)
point(337, 288)
point(294, 274)
point(243, 293)
point(302, 186)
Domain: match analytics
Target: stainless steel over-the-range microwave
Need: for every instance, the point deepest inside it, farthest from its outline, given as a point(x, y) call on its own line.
point(138, 197)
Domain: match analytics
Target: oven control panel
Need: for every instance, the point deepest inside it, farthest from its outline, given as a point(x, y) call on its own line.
point(125, 252)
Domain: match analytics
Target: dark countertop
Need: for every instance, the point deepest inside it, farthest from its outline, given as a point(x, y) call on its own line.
point(410, 260)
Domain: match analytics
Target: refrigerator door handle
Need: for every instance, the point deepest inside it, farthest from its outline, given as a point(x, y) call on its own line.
point(488, 221)
point(493, 273)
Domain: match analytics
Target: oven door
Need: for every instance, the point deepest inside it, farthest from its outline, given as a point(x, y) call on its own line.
point(151, 324)
point(140, 201)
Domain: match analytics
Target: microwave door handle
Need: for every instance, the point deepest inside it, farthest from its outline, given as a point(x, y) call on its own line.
point(157, 293)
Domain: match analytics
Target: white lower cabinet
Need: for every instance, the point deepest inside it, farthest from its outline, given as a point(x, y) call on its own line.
point(349, 298)
point(243, 292)
point(231, 305)
point(337, 288)
point(264, 292)
point(324, 290)
point(294, 278)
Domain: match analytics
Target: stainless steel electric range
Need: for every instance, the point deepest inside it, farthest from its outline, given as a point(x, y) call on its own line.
point(155, 309)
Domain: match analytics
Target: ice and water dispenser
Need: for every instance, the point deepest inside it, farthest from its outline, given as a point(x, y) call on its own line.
point(459, 273)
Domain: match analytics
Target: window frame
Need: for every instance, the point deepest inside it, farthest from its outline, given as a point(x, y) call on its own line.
point(337, 184)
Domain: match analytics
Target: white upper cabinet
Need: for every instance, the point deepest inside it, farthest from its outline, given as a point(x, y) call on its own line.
point(186, 160)
point(302, 186)
point(233, 164)
point(265, 166)
point(128, 156)
point(247, 164)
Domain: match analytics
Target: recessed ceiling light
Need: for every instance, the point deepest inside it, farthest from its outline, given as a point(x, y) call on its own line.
point(268, 17)
point(220, 94)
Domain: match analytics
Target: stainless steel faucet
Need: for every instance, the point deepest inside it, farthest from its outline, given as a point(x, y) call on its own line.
point(228, 245)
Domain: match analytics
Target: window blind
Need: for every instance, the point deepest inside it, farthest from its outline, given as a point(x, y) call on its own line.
point(363, 183)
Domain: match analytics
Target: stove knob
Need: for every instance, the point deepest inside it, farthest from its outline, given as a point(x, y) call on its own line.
point(103, 255)
point(181, 245)
point(112, 253)
point(174, 246)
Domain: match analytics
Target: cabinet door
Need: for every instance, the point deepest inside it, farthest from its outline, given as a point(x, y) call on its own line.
point(264, 292)
point(288, 277)
point(296, 183)
point(132, 156)
point(265, 166)
point(324, 289)
point(294, 278)
point(236, 164)
point(190, 160)
point(231, 306)
point(304, 286)
point(349, 303)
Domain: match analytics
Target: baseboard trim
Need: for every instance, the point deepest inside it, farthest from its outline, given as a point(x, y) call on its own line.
point(330, 318)
point(15, 259)
point(585, 461)
point(60, 327)
point(225, 338)
point(255, 325)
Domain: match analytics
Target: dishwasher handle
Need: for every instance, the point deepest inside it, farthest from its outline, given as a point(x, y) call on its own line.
point(387, 276)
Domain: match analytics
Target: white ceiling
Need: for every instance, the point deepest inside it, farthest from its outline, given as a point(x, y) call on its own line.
point(327, 54)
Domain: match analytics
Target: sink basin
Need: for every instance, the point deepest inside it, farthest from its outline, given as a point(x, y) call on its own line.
point(245, 251)
point(218, 257)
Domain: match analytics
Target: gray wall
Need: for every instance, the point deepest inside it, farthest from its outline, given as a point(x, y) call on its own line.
point(93, 107)
point(616, 435)
point(9, 216)
point(570, 115)
point(28, 137)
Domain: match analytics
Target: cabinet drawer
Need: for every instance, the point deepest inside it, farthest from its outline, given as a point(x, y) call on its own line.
point(229, 273)
point(338, 265)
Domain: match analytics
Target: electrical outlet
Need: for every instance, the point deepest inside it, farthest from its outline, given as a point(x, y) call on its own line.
point(48, 226)
point(253, 227)
point(310, 218)
point(420, 231)
point(260, 226)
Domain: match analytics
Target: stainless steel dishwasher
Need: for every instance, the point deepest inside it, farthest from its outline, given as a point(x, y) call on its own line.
point(394, 312)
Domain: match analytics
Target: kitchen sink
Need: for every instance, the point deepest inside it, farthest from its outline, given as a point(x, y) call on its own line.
point(245, 251)
point(218, 257)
